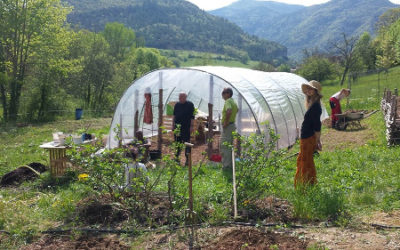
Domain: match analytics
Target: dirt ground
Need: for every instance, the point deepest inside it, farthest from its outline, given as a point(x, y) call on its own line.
point(199, 151)
point(343, 238)
point(51, 242)
point(349, 138)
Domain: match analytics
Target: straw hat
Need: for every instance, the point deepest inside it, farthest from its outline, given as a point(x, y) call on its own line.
point(312, 84)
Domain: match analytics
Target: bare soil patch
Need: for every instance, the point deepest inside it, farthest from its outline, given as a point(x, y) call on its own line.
point(361, 239)
point(100, 210)
point(199, 151)
point(252, 238)
point(270, 210)
point(333, 139)
point(222, 238)
point(21, 174)
point(391, 219)
point(50, 242)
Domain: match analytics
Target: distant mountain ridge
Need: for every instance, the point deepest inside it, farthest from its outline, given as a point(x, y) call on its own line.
point(175, 24)
point(249, 14)
point(309, 27)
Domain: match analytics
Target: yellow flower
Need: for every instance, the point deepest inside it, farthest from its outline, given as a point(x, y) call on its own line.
point(83, 177)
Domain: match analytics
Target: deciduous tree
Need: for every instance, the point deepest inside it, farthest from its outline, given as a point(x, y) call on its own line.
point(24, 26)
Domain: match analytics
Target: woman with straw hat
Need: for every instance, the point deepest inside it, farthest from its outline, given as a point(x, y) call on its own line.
point(310, 135)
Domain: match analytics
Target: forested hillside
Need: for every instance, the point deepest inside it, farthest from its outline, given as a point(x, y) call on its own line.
point(313, 26)
point(250, 14)
point(175, 24)
point(47, 69)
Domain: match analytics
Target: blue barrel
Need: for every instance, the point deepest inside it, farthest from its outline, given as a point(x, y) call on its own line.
point(78, 114)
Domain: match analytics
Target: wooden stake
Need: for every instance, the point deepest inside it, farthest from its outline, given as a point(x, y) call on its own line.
point(190, 145)
point(235, 215)
point(160, 119)
point(210, 131)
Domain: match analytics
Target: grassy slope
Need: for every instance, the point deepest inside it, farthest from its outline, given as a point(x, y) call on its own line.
point(193, 58)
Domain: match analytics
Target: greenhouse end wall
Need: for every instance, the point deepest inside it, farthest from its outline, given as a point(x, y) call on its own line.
point(266, 100)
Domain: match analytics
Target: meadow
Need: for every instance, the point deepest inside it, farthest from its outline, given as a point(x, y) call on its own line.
point(355, 178)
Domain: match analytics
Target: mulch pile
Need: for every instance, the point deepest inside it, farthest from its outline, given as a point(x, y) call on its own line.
point(270, 210)
point(50, 242)
point(100, 210)
point(21, 174)
point(251, 238)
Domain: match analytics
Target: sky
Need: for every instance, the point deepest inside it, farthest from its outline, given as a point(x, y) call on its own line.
point(215, 4)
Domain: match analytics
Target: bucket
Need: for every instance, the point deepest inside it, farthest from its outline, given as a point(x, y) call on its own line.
point(77, 139)
point(155, 154)
point(78, 114)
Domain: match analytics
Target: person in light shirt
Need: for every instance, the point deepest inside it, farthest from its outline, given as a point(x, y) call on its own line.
point(334, 102)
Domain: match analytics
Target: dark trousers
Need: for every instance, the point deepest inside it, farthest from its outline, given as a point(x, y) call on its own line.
point(182, 138)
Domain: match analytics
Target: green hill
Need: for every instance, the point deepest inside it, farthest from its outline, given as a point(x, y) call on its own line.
point(175, 24)
point(310, 27)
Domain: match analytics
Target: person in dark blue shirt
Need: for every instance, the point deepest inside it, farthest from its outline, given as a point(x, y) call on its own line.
point(184, 117)
point(310, 139)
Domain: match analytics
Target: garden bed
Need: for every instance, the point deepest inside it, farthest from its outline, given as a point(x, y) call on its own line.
point(50, 242)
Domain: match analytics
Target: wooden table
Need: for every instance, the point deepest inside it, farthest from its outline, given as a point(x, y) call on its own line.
point(58, 160)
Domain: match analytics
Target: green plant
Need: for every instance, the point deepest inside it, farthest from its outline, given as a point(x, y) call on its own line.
point(257, 166)
point(317, 202)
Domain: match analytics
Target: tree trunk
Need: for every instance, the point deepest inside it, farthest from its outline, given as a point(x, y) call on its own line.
point(346, 69)
point(3, 97)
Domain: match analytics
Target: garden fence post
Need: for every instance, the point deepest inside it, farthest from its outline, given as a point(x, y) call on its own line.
point(210, 118)
point(189, 151)
point(235, 215)
point(160, 113)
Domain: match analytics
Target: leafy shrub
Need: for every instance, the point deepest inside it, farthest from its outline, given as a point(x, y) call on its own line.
point(258, 165)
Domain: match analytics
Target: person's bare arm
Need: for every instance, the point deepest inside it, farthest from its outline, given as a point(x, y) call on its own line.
point(318, 139)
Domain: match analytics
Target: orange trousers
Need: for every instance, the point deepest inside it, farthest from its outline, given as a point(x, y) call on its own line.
point(306, 173)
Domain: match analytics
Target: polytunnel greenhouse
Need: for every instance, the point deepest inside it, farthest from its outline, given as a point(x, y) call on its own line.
point(265, 99)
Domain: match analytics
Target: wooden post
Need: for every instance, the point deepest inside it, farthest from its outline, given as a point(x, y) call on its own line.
point(235, 215)
point(160, 119)
point(120, 131)
point(190, 177)
point(136, 125)
point(190, 181)
point(136, 113)
point(210, 130)
point(189, 146)
point(210, 117)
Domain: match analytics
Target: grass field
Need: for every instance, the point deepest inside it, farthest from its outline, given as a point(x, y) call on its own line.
point(357, 176)
point(186, 58)
point(367, 89)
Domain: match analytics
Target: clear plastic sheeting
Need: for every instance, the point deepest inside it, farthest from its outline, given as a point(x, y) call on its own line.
point(267, 100)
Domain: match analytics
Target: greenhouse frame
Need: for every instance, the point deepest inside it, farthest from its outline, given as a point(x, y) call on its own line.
point(265, 100)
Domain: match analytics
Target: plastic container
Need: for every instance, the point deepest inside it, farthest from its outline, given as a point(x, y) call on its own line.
point(155, 154)
point(78, 113)
point(77, 139)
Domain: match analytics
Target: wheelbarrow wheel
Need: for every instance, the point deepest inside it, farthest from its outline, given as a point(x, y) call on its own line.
point(341, 126)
